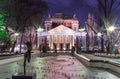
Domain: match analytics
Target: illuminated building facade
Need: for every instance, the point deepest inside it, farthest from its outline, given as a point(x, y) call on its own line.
point(61, 32)
point(62, 19)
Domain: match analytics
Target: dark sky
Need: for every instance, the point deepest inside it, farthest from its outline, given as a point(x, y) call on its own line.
point(71, 7)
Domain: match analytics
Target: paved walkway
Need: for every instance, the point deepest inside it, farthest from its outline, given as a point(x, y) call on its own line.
point(58, 67)
point(13, 58)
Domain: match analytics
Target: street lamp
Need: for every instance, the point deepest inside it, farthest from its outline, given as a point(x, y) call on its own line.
point(99, 34)
point(39, 30)
point(111, 39)
point(111, 28)
point(16, 34)
point(81, 30)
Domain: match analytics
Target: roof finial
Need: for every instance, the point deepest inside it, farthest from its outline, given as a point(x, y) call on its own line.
point(74, 16)
point(49, 16)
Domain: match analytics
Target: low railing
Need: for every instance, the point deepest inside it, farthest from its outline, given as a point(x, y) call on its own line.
point(105, 64)
point(107, 54)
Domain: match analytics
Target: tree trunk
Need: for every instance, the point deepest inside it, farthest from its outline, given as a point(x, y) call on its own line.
point(102, 44)
point(21, 40)
point(110, 45)
point(24, 64)
point(87, 42)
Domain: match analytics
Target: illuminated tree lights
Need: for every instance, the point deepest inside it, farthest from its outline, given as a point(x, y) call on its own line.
point(3, 33)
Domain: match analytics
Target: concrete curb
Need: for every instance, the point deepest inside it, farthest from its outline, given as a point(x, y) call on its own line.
point(105, 64)
point(14, 59)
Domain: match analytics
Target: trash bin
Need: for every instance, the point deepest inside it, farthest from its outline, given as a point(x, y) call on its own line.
point(21, 76)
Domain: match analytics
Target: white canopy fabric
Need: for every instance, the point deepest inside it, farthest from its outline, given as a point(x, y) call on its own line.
point(61, 30)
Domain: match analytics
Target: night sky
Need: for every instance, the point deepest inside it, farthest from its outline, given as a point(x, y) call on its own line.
point(79, 7)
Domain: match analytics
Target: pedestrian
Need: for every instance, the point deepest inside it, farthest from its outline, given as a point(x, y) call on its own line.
point(73, 50)
point(28, 53)
point(24, 63)
point(55, 49)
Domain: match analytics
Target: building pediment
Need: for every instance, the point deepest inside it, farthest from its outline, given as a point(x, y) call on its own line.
point(61, 30)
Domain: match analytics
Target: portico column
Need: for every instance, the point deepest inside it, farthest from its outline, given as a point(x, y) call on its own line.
point(51, 36)
point(58, 41)
point(70, 42)
point(64, 47)
point(73, 40)
point(50, 41)
point(38, 41)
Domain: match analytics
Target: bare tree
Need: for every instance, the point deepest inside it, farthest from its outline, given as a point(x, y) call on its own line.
point(91, 28)
point(26, 14)
point(109, 10)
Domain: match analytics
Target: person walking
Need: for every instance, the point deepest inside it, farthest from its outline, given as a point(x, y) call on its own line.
point(73, 50)
point(27, 55)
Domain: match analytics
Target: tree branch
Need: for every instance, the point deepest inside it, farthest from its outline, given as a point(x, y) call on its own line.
point(118, 36)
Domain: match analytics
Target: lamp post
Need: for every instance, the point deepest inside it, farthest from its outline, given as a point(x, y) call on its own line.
point(111, 28)
point(101, 36)
point(81, 31)
point(102, 40)
point(15, 40)
point(15, 36)
point(110, 44)
point(39, 30)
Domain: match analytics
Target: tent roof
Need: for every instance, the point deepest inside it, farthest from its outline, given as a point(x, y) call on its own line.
point(61, 30)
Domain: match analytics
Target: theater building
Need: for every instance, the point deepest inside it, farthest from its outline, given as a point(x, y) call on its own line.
point(61, 32)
